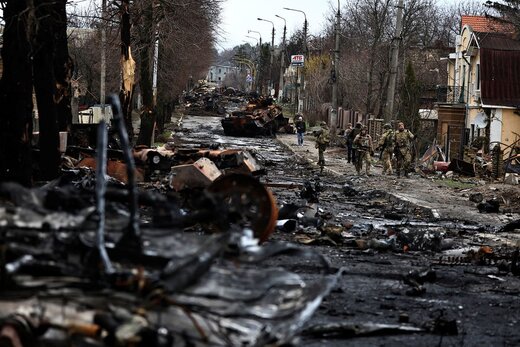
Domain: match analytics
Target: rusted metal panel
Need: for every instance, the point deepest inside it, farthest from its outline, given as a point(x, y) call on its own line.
point(115, 169)
point(500, 77)
point(197, 175)
point(250, 200)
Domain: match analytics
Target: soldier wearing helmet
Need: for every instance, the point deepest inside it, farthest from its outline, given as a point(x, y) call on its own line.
point(322, 142)
point(403, 151)
point(386, 144)
point(363, 142)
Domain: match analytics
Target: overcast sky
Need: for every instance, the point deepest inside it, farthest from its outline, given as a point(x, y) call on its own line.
point(239, 16)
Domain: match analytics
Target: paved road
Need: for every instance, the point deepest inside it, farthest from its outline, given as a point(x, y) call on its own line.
point(479, 301)
point(444, 202)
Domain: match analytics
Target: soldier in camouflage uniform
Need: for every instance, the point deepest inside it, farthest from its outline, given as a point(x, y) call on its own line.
point(322, 142)
point(403, 153)
point(386, 145)
point(363, 142)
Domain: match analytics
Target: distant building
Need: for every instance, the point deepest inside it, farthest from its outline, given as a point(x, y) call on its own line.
point(217, 73)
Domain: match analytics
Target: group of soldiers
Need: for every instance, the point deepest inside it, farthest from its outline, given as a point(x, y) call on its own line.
point(360, 148)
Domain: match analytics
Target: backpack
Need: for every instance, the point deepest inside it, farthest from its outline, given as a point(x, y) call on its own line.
point(324, 137)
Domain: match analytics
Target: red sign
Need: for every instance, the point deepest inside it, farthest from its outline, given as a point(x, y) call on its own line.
point(297, 60)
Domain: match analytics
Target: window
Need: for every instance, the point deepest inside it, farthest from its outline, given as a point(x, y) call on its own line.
point(219, 70)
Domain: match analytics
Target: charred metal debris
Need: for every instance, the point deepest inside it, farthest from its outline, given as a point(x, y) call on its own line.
point(259, 118)
point(245, 114)
point(79, 267)
point(474, 162)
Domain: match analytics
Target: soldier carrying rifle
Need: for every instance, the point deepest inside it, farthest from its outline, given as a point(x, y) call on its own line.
point(386, 146)
point(403, 153)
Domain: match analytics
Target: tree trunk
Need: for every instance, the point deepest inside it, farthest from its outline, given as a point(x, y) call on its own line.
point(148, 112)
point(63, 66)
point(128, 69)
point(16, 97)
point(45, 87)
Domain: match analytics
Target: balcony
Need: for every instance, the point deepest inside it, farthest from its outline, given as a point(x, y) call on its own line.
point(451, 94)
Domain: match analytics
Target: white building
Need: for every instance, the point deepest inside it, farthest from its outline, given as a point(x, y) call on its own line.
point(217, 73)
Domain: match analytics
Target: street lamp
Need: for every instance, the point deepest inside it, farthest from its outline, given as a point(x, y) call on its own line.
point(257, 75)
point(282, 59)
point(256, 32)
point(254, 38)
point(305, 26)
point(306, 49)
point(335, 62)
point(270, 84)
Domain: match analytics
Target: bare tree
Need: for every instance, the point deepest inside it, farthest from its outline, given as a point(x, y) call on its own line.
point(367, 29)
point(183, 31)
point(16, 96)
point(455, 12)
point(39, 26)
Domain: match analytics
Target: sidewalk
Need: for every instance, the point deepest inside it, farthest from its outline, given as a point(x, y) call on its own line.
point(335, 157)
point(443, 202)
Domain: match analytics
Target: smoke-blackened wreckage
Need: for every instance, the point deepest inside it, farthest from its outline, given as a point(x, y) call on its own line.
point(186, 244)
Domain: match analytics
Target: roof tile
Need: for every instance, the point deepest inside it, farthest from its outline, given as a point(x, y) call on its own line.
point(485, 24)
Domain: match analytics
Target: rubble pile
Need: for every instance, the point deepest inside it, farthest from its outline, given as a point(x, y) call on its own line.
point(211, 101)
point(245, 115)
point(177, 163)
point(475, 163)
point(78, 265)
point(259, 118)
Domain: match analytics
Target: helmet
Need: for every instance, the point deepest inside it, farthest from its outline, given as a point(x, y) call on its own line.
point(387, 126)
point(322, 123)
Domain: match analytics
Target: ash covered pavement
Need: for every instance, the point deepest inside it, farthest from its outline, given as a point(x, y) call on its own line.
point(421, 265)
point(352, 260)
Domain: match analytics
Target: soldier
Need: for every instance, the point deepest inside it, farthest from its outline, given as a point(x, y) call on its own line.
point(322, 141)
point(363, 143)
point(386, 145)
point(349, 142)
point(300, 128)
point(352, 135)
point(403, 138)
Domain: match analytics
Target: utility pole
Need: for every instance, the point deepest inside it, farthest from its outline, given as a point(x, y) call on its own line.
point(102, 92)
point(306, 52)
point(270, 84)
point(282, 60)
point(396, 41)
point(257, 77)
point(334, 77)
